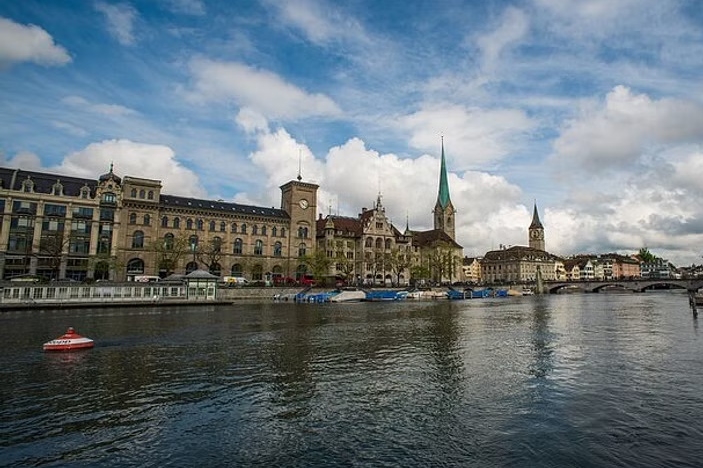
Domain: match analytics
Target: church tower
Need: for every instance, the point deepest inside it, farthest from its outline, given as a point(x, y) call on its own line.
point(536, 231)
point(444, 210)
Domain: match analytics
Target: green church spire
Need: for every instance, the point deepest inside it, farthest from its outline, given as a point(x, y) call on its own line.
point(443, 197)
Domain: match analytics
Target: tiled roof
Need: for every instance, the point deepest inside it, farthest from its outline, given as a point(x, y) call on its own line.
point(518, 252)
point(427, 238)
point(44, 182)
point(348, 226)
point(220, 206)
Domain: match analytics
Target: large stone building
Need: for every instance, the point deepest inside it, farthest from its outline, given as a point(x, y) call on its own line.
point(369, 249)
point(56, 226)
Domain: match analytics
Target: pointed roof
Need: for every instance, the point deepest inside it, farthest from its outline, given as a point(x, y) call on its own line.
point(443, 196)
point(536, 223)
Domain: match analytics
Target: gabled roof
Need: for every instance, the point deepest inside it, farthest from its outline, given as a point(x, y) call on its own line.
point(518, 252)
point(348, 226)
point(428, 238)
point(220, 206)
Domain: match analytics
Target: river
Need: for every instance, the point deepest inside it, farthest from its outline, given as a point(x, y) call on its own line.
point(542, 381)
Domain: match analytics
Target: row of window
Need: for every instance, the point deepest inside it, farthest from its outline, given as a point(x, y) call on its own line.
point(216, 242)
point(199, 225)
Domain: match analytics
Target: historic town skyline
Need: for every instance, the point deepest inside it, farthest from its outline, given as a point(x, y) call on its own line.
point(591, 108)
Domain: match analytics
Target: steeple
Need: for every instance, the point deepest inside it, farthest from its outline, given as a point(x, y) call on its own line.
point(444, 210)
point(536, 231)
point(443, 196)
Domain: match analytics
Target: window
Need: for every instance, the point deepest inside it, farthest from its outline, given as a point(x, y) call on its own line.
point(258, 247)
point(85, 192)
point(216, 244)
point(133, 218)
point(189, 224)
point(133, 193)
point(176, 223)
point(237, 249)
point(109, 197)
point(135, 266)
point(223, 226)
point(388, 244)
point(273, 231)
point(147, 220)
point(164, 221)
point(212, 226)
point(193, 242)
point(379, 243)
point(138, 240)
point(255, 230)
point(283, 232)
point(263, 230)
point(200, 224)
point(28, 185)
point(277, 248)
point(57, 189)
point(141, 193)
point(234, 228)
point(369, 242)
point(81, 212)
point(237, 270)
point(150, 195)
point(303, 232)
point(54, 210)
point(301, 250)
point(168, 241)
point(244, 228)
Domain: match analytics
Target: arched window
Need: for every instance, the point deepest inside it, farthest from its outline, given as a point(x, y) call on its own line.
point(388, 244)
point(301, 250)
point(215, 269)
point(138, 240)
point(234, 228)
point(150, 195)
point(277, 249)
point(133, 218)
point(258, 247)
point(216, 244)
point(244, 228)
point(189, 224)
point(379, 243)
point(147, 220)
point(369, 242)
point(263, 230)
point(200, 224)
point(255, 230)
point(141, 193)
point(237, 249)
point(164, 221)
point(283, 232)
point(191, 267)
point(193, 242)
point(133, 193)
point(135, 266)
point(176, 223)
point(302, 232)
point(168, 241)
point(212, 226)
point(257, 273)
point(273, 231)
point(223, 226)
point(237, 270)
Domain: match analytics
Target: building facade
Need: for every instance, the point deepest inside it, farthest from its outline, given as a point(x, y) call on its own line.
point(60, 227)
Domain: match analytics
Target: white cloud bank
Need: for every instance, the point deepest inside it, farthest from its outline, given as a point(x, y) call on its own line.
point(19, 43)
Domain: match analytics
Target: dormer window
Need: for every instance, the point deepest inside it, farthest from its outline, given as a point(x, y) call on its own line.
point(85, 192)
point(28, 185)
point(109, 197)
point(57, 188)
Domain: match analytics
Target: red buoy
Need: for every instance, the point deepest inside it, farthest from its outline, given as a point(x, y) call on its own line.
point(69, 341)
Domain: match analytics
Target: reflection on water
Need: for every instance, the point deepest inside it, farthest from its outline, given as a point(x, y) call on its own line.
point(573, 380)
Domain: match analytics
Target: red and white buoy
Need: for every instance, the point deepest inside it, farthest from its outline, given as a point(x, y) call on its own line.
point(69, 341)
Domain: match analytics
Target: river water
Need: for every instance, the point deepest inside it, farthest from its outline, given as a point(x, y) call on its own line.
point(543, 381)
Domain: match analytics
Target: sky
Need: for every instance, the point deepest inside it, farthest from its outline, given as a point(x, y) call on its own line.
point(593, 109)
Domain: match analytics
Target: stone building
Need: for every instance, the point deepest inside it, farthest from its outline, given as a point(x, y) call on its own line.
point(57, 226)
point(369, 249)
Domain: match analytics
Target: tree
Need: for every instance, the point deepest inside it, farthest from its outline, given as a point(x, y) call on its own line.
point(51, 248)
point(345, 266)
point(441, 262)
point(318, 264)
point(646, 256)
point(169, 251)
point(399, 260)
point(102, 264)
point(210, 253)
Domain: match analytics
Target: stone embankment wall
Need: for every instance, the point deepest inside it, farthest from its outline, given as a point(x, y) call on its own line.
point(245, 293)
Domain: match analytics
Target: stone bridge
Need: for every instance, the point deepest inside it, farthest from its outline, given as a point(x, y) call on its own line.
point(636, 285)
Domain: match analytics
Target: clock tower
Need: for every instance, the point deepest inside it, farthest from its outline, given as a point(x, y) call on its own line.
point(536, 231)
point(299, 201)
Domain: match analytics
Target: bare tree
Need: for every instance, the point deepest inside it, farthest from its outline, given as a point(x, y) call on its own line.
point(399, 260)
point(170, 250)
point(210, 253)
point(51, 248)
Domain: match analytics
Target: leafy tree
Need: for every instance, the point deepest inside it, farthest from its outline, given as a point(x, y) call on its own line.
point(102, 264)
point(318, 264)
point(399, 260)
point(418, 273)
point(345, 266)
point(441, 262)
point(646, 256)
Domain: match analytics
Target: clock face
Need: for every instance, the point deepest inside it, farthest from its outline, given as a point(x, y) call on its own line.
point(303, 203)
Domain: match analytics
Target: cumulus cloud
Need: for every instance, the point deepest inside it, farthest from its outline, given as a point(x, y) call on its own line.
point(478, 136)
point(19, 43)
point(129, 158)
point(120, 20)
point(621, 131)
point(260, 90)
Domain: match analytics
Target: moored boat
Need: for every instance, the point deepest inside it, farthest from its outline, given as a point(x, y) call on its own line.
point(349, 296)
point(69, 341)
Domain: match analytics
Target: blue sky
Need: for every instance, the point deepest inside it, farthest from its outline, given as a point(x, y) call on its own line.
point(592, 108)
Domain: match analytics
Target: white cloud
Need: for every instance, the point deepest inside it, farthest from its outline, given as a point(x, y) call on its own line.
point(135, 159)
point(622, 131)
point(189, 7)
point(19, 43)
point(24, 160)
point(475, 136)
point(260, 90)
point(106, 110)
point(514, 25)
point(120, 21)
